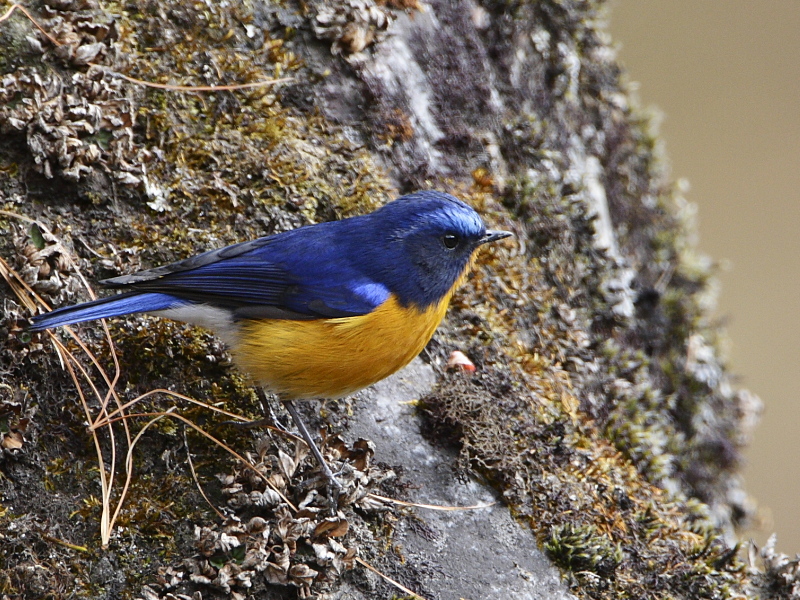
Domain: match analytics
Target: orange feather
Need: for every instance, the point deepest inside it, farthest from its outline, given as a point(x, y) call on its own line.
point(331, 358)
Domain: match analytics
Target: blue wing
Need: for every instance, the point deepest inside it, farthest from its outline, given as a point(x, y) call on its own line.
point(307, 273)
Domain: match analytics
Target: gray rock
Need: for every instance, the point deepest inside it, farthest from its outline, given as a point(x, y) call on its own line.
point(477, 554)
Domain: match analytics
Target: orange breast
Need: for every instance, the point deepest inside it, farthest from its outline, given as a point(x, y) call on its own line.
point(330, 358)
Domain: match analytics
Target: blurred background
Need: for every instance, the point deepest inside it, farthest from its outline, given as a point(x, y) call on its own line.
point(726, 76)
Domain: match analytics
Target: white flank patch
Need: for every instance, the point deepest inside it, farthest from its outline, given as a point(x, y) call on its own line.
point(217, 320)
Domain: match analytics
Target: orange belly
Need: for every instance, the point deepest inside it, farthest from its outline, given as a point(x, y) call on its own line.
point(331, 358)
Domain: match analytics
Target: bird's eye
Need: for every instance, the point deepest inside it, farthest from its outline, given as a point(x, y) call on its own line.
point(450, 241)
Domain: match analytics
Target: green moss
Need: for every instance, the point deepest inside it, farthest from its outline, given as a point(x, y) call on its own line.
point(606, 409)
point(575, 413)
point(582, 548)
point(221, 168)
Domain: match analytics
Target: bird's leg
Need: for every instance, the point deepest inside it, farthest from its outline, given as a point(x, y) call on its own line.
point(334, 487)
point(269, 419)
point(266, 408)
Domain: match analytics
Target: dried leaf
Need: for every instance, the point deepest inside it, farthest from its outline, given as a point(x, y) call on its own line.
point(332, 527)
point(12, 441)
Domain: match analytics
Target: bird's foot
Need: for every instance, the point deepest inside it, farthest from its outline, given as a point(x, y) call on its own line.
point(334, 487)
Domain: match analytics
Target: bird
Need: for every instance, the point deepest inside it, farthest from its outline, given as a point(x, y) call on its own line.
point(320, 311)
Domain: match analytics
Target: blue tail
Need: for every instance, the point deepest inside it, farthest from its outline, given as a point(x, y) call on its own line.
point(113, 306)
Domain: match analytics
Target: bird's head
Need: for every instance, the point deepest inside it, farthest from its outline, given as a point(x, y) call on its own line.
point(427, 242)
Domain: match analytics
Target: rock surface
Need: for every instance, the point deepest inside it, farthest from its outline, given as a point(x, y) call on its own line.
point(599, 410)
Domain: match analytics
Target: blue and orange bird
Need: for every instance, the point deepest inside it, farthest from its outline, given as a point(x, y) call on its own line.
point(317, 312)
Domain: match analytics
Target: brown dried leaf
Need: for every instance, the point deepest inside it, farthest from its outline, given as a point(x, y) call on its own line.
point(332, 527)
point(12, 441)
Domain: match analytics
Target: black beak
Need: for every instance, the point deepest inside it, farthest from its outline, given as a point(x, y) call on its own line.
point(493, 236)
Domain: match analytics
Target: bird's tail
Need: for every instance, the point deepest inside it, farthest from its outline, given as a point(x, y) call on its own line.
point(113, 306)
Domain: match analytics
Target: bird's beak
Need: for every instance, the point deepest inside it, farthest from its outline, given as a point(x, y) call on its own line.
point(493, 236)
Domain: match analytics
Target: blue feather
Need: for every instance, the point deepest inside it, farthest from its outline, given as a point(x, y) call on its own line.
point(114, 306)
point(335, 269)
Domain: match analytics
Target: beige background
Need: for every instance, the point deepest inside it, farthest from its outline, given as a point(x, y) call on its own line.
point(727, 77)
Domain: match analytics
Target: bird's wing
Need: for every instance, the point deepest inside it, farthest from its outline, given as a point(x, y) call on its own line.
point(301, 274)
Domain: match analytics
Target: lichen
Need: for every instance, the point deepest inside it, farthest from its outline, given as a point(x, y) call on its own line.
point(599, 406)
point(192, 171)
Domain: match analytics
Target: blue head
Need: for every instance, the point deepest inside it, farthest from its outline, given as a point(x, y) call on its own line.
point(420, 244)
